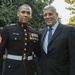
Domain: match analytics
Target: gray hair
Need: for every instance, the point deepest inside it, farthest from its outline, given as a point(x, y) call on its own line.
point(26, 5)
point(52, 8)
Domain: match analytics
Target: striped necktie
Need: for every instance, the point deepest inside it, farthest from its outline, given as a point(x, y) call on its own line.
point(47, 39)
point(49, 34)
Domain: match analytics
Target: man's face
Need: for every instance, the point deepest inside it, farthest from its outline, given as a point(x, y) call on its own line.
point(24, 14)
point(50, 17)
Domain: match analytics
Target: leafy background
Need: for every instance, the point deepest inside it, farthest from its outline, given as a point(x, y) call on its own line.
point(8, 10)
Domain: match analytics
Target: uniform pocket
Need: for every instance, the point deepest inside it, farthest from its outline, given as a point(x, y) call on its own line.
point(16, 36)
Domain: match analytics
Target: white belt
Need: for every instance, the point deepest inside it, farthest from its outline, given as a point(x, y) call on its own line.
point(16, 57)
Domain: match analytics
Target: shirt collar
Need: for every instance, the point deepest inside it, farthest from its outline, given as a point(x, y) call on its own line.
point(55, 25)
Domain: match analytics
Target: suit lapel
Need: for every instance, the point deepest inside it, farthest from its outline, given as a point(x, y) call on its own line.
point(43, 36)
point(56, 33)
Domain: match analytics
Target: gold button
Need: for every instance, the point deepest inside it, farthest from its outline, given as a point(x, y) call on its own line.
point(22, 25)
point(25, 43)
point(25, 33)
point(15, 38)
point(25, 38)
point(24, 30)
point(9, 66)
point(24, 49)
point(34, 38)
point(24, 54)
point(24, 58)
point(31, 38)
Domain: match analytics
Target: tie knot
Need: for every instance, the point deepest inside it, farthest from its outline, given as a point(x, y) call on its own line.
point(49, 28)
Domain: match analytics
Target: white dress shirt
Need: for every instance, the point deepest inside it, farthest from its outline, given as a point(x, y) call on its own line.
point(45, 43)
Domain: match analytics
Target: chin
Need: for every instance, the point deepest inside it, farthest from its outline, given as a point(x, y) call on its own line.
point(49, 23)
point(24, 22)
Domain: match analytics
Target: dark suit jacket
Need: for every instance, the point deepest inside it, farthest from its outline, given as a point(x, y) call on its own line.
point(60, 59)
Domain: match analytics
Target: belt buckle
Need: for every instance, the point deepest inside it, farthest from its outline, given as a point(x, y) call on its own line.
point(24, 57)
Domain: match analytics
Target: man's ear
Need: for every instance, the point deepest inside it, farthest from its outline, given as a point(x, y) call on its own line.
point(57, 14)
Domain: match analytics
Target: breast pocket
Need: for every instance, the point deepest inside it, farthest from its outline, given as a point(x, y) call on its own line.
point(16, 36)
point(15, 40)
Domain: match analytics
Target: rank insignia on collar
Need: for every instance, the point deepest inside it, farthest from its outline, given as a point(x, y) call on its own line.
point(0, 39)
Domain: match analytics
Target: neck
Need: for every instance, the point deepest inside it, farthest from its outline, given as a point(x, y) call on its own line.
point(24, 24)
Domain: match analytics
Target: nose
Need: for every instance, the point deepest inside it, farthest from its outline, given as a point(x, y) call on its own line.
point(47, 16)
point(25, 14)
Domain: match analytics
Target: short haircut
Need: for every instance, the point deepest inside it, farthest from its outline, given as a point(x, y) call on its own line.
point(52, 8)
point(26, 5)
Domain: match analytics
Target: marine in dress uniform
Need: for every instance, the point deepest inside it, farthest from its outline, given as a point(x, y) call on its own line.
point(21, 42)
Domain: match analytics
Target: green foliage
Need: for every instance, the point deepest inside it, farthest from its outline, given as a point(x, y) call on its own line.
point(37, 20)
point(8, 9)
point(72, 21)
point(72, 9)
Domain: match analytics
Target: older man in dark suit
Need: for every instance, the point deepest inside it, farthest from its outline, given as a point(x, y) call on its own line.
point(58, 45)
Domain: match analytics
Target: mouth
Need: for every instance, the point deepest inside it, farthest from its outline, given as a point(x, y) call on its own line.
point(24, 18)
point(48, 20)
